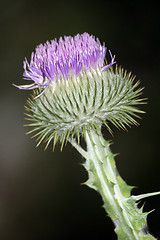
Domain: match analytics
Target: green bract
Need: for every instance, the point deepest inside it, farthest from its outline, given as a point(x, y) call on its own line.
point(95, 97)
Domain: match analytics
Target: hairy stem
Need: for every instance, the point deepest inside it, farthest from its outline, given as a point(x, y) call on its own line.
point(130, 221)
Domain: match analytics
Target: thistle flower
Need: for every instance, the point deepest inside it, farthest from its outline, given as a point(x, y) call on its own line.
point(64, 59)
point(77, 89)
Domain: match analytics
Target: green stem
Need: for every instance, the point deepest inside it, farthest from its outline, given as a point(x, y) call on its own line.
point(122, 208)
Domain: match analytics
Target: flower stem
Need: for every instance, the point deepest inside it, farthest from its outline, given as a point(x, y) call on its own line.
point(122, 208)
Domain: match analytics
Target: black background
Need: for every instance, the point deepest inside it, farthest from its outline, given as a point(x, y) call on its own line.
point(40, 193)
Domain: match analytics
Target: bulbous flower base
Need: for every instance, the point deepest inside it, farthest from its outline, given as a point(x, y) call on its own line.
point(96, 97)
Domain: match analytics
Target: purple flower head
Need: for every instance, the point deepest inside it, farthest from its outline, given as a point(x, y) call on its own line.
point(59, 59)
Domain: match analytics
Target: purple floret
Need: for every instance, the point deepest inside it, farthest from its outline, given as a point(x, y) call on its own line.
point(57, 59)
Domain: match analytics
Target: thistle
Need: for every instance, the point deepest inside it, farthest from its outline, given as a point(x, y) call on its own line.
point(76, 92)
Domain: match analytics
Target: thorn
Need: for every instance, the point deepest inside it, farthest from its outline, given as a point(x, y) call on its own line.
point(141, 196)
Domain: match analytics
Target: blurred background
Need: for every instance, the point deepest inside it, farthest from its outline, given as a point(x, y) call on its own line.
point(41, 196)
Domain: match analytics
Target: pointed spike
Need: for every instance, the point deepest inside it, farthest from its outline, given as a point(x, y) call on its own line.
point(141, 196)
point(54, 142)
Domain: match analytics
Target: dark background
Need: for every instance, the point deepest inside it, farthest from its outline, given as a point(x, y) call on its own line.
point(40, 193)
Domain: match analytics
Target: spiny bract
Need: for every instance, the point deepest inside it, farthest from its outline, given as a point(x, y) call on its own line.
point(93, 98)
